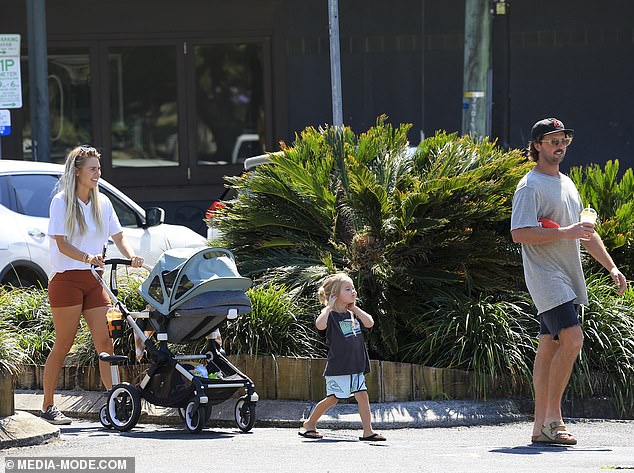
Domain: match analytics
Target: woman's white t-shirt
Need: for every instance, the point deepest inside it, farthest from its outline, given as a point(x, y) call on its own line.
point(91, 242)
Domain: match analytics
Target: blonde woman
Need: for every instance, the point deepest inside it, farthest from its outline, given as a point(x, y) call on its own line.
point(348, 359)
point(81, 221)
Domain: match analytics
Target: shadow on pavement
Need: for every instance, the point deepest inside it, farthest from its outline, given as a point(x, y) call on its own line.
point(539, 449)
point(168, 433)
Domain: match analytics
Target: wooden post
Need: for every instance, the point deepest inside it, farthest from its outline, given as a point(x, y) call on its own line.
point(7, 394)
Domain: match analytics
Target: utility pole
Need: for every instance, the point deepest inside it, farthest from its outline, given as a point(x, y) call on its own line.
point(38, 79)
point(476, 102)
point(335, 63)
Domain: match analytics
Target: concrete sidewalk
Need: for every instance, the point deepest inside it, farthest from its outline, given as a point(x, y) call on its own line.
point(27, 429)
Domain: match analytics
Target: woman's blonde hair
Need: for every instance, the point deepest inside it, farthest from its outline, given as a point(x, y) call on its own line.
point(75, 220)
point(331, 285)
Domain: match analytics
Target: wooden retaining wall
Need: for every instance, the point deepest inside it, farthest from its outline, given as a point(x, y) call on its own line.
point(287, 378)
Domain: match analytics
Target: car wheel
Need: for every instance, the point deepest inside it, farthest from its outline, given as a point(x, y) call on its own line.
point(23, 278)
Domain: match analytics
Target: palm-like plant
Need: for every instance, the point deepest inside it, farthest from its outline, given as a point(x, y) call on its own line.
point(402, 226)
point(611, 197)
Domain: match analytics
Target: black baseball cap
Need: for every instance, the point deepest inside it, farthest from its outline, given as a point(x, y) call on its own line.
point(547, 126)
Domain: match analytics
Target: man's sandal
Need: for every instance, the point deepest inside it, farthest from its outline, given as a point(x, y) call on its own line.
point(541, 438)
point(557, 434)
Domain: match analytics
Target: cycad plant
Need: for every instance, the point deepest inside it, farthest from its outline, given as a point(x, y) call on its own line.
point(402, 226)
point(611, 197)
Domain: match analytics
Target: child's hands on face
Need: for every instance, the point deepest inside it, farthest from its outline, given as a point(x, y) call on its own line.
point(331, 301)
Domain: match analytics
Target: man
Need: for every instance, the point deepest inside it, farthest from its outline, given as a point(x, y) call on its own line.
point(552, 268)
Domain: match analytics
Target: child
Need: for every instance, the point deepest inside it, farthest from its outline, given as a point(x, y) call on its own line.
point(348, 359)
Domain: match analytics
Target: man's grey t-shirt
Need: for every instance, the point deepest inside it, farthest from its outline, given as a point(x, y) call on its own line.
point(553, 270)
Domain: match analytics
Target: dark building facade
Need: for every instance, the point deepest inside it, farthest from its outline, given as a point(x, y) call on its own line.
point(177, 94)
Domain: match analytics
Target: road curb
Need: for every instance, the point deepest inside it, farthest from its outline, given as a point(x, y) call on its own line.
point(24, 429)
point(290, 414)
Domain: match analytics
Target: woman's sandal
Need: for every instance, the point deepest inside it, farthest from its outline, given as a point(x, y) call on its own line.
point(557, 434)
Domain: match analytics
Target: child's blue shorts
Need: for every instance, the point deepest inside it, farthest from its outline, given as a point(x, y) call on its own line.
point(345, 385)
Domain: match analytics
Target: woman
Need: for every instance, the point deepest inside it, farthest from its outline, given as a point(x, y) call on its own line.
point(81, 221)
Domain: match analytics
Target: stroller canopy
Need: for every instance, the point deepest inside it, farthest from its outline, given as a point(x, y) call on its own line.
point(182, 273)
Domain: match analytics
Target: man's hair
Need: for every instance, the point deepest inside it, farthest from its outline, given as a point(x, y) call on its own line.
point(532, 153)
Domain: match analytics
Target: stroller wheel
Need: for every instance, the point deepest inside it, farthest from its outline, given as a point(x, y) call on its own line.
point(245, 414)
point(195, 419)
point(124, 406)
point(103, 417)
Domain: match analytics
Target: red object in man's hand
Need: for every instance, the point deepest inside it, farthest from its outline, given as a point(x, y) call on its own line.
point(548, 223)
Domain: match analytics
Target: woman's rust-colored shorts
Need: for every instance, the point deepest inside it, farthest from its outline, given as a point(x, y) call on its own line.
point(77, 287)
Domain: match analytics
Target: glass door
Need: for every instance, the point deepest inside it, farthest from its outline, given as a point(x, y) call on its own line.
point(229, 88)
point(145, 123)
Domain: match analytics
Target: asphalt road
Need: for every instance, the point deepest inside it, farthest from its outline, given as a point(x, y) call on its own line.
point(603, 446)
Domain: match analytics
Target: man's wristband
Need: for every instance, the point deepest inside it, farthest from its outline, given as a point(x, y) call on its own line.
point(86, 257)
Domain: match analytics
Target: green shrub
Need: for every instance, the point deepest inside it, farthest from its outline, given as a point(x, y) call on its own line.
point(402, 226)
point(277, 325)
point(493, 337)
point(11, 354)
point(606, 365)
point(611, 197)
point(26, 313)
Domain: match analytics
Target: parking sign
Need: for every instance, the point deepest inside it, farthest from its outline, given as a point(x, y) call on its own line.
point(10, 79)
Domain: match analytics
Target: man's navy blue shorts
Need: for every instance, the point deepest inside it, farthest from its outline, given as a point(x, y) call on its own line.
point(558, 318)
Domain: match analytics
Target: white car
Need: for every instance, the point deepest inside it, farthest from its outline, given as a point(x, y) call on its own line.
point(26, 189)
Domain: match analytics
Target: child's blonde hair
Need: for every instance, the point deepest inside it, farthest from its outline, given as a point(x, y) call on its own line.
point(331, 285)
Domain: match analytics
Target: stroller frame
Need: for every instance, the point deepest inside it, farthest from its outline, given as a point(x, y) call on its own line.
point(196, 394)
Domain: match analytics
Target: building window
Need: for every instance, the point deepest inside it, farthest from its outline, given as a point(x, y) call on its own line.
point(69, 91)
point(229, 102)
point(143, 106)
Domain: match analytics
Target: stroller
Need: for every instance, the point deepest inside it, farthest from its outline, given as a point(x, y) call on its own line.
point(193, 292)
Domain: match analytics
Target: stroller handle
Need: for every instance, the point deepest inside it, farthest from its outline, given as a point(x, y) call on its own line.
point(115, 261)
